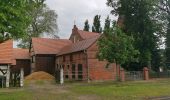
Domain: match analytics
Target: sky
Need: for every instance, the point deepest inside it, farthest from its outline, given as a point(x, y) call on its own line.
point(77, 11)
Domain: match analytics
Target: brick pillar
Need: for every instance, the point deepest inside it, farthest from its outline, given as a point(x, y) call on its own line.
point(146, 73)
point(122, 75)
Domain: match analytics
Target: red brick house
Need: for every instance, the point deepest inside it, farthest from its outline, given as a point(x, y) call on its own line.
point(79, 59)
point(76, 55)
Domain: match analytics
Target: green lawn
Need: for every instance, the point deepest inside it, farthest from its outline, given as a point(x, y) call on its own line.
point(40, 90)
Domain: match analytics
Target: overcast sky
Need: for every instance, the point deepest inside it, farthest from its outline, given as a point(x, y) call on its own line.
point(78, 10)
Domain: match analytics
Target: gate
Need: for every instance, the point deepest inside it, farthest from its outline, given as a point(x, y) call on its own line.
point(134, 75)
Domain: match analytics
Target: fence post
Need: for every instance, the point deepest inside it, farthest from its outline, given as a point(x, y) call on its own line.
point(21, 77)
point(146, 73)
point(122, 75)
point(61, 76)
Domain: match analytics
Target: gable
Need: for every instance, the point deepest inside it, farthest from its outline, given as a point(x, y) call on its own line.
point(75, 37)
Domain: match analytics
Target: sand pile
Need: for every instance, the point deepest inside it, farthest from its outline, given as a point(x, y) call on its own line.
point(39, 76)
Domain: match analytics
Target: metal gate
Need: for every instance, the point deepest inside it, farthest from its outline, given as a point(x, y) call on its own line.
point(134, 75)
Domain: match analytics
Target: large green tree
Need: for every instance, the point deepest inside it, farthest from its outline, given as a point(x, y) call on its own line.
point(139, 21)
point(86, 26)
point(96, 24)
point(164, 6)
point(43, 22)
point(116, 47)
point(13, 19)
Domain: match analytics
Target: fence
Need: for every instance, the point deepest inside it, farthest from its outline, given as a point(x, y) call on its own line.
point(165, 74)
point(134, 75)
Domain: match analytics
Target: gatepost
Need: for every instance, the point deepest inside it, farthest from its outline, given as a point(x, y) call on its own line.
point(146, 73)
point(122, 75)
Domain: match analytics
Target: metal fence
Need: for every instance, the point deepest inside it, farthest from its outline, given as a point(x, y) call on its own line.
point(134, 75)
point(165, 74)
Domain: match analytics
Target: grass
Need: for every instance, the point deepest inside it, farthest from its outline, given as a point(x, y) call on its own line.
point(126, 91)
point(39, 90)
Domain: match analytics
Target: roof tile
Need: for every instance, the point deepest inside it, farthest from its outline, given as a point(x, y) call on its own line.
point(21, 53)
point(6, 55)
point(48, 46)
point(86, 34)
point(79, 46)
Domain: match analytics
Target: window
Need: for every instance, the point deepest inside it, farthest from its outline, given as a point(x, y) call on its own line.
point(33, 59)
point(67, 72)
point(80, 72)
point(73, 71)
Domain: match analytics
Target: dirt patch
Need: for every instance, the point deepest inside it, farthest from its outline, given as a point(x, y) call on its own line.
point(89, 97)
point(39, 76)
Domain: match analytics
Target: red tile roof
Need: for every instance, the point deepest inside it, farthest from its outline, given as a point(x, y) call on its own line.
point(86, 34)
point(6, 56)
point(21, 53)
point(48, 46)
point(79, 46)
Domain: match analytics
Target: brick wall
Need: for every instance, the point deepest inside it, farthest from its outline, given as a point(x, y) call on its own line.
point(70, 60)
point(99, 70)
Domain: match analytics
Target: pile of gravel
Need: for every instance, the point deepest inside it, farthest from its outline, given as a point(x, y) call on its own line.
point(41, 75)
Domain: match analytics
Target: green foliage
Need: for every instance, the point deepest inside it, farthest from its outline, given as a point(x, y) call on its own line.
point(43, 22)
point(116, 46)
point(164, 6)
point(13, 19)
point(140, 21)
point(107, 25)
point(86, 26)
point(96, 24)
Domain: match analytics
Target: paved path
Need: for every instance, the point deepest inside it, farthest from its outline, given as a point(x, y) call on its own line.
point(160, 98)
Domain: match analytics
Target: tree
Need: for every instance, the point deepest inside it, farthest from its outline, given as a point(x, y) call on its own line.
point(44, 21)
point(13, 19)
point(164, 6)
point(86, 26)
point(96, 24)
point(107, 24)
point(116, 47)
point(139, 22)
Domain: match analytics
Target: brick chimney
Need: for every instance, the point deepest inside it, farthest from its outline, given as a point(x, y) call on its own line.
point(75, 29)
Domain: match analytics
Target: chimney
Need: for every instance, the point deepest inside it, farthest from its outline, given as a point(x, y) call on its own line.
point(75, 29)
